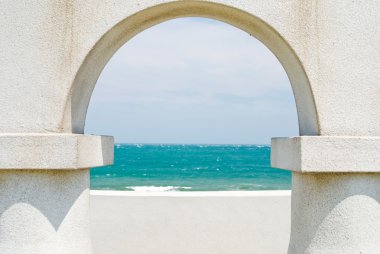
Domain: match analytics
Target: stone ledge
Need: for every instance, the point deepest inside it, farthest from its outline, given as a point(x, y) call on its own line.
point(54, 151)
point(326, 154)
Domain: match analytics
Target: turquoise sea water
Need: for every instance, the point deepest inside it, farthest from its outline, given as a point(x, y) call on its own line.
point(190, 168)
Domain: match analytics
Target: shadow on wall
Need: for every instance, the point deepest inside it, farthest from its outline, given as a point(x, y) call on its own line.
point(40, 197)
point(338, 202)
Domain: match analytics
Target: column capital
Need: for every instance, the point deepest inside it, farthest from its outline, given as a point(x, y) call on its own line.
point(326, 154)
point(54, 151)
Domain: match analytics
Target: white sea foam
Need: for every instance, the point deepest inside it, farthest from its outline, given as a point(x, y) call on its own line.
point(157, 188)
point(261, 146)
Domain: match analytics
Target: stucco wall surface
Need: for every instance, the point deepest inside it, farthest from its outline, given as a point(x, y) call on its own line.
point(335, 213)
point(54, 151)
point(326, 154)
point(192, 222)
point(47, 46)
point(52, 52)
point(44, 212)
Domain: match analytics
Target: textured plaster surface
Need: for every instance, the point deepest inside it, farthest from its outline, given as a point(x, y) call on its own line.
point(335, 213)
point(52, 53)
point(44, 212)
point(54, 151)
point(326, 154)
point(54, 49)
point(238, 222)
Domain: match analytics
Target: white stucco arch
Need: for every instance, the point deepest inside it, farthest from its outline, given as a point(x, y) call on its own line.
point(89, 71)
point(52, 52)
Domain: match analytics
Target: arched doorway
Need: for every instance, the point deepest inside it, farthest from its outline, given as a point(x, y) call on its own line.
point(96, 59)
point(54, 53)
point(192, 104)
point(116, 36)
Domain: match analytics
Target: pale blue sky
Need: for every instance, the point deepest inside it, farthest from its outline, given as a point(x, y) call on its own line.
point(193, 80)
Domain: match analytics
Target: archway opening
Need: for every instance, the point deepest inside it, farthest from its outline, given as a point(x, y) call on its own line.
point(85, 79)
point(192, 103)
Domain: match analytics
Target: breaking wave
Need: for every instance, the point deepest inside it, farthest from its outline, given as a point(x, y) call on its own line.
point(157, 188)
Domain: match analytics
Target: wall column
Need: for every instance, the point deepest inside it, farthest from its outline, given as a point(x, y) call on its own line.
point(44, 191)
point(335, 193)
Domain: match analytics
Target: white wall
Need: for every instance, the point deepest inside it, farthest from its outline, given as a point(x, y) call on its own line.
point(190, 222)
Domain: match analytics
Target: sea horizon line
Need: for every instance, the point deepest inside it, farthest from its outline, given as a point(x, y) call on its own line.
point(206, 144)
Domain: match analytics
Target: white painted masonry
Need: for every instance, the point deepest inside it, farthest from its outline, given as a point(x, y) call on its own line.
point(52, 53)
point(54, 151)
point(327, 154)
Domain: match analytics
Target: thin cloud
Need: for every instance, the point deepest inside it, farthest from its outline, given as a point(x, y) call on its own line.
point(188, 67)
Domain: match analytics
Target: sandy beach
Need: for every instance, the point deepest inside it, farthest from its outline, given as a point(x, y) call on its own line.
point(238, 222)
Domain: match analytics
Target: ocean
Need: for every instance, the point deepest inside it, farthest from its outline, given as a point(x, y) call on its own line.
point(145, 167)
